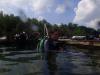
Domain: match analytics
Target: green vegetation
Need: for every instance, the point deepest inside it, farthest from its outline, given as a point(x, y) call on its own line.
point(10, 25)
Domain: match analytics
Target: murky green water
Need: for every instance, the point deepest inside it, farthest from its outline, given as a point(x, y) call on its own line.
point(72, 61)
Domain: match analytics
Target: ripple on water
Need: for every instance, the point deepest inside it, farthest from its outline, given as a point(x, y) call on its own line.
point(72, 62)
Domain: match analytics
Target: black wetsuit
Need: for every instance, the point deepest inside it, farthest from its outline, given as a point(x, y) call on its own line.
point(52, 45)
point(51, 50)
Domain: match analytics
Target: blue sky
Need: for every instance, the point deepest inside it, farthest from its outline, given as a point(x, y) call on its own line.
point(61, 16)
point(64, 17)
point(82, 12)
point(54, 11)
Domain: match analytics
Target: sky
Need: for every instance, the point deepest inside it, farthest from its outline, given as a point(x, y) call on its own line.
point(82, 12)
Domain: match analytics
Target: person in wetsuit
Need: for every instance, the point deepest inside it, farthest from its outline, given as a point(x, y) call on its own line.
point(51, 47)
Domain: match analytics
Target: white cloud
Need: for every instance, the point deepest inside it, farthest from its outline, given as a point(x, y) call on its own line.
point(66, 5)
point(40, 18)
point(88, 13)
point(60, 9)
point(41, 5)
point(28, 6)
point(94, 24)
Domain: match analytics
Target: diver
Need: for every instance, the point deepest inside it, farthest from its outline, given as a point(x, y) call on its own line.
point(51, 47)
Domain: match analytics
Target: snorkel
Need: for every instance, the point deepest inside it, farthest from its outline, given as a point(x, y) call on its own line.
point(40, 46)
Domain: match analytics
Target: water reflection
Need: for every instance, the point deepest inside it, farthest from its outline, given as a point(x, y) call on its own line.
point(72, 61)
point(51, 62)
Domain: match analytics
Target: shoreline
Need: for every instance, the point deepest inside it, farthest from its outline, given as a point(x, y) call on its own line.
point(83, 44)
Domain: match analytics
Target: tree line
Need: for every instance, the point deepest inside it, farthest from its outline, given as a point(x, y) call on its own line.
point(11, 25)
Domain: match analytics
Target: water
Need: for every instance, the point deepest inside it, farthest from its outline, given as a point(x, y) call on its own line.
point(72, 61)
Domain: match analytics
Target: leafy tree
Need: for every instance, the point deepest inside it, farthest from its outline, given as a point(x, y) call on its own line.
point(10, 25)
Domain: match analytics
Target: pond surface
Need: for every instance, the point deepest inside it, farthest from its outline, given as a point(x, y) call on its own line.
point(72, 61)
